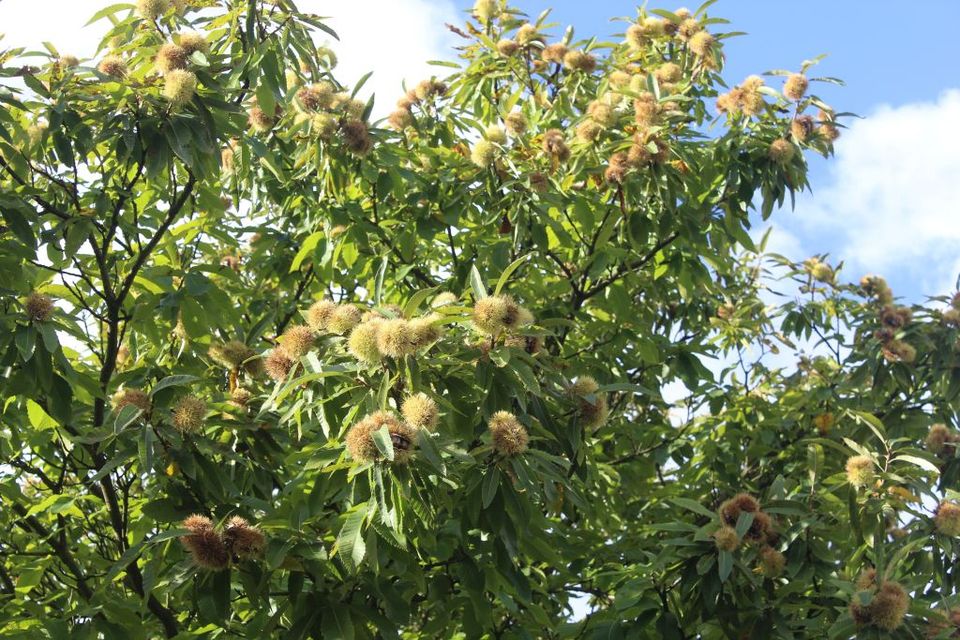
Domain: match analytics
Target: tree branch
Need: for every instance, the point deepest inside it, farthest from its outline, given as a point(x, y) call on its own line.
point(633, 266)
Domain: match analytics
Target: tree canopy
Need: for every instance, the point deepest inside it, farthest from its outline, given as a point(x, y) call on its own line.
point(276, 366)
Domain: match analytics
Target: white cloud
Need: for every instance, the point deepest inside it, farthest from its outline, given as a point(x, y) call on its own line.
point(28, 23)
point(782, 242)
point(394, 38)
point(891, 202)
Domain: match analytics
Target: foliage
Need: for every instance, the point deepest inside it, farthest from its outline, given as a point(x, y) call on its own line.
point(470, 433)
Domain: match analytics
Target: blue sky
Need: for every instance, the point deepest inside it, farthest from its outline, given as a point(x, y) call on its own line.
point(886, 204)
point(898, 60)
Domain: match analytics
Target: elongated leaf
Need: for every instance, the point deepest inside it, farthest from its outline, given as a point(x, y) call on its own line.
point(131, 554)
point(693, 505)
point(378, 288)
point(381, 438)
point(305, 249)
point(337, 624)
point(350, 544)
point(385, 385)
point(172, 381)
point(476, 283)
point(416, 300)
point(918, 461)
point(491, 482)
point(428, 448)
point(359, 84)
point(125, 417)
point(873, 422)
point(505, 276)
point(724, 565)
point(743, 523)
point(109, 11)
point(110, 466)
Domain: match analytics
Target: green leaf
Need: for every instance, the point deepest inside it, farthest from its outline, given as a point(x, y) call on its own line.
point(110, 466)
point(125, 417)
point(844, 627)
point(384, 394)
point(350, 546)
point(476, 283)
point(416, 300)
point(60, 400)
point(58, 503)
point(305, 249)
point(131, 554)
point(381, 438)
point(724, 565)
point(491, 482)
point(693, 505)
point(25, 339)
point(172, 381)
point(505, 276)
point(16, 220)
point(359, 84)
point(62, 145)
point(743, 523)
point(627, 386)
point(378, 287)
point(873, 422)
point(337, 624)
point(854, 515)
point(49, 335)
point(221, 593)
point(428, 448)
point(386, 515)
point(269, 161)
point(34, 83)
point(31, 575)
point(265, 97)
point(39, 419)
point(109, 11)
point(918, 461)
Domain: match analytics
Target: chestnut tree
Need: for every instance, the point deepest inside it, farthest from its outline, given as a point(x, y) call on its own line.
point(276, 366)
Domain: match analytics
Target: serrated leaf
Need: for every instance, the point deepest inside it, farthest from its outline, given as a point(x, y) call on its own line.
point(350, 544)
point(918, 461)
point(125, 417)
point(428, 448)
